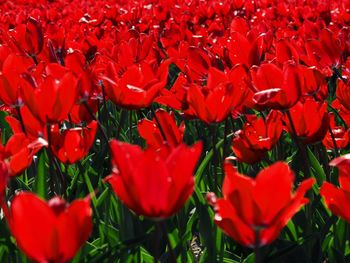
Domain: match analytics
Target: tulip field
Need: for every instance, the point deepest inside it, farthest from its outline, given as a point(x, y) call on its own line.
point(175, 131)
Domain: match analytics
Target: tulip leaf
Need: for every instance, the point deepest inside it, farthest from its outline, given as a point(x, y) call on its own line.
point(40, 185)
point(316, 166)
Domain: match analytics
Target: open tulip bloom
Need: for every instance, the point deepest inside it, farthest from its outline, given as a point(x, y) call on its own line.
point(49, 231)
point(254, 211)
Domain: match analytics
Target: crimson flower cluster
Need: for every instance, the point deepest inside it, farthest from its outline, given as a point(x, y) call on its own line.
point(138, 107)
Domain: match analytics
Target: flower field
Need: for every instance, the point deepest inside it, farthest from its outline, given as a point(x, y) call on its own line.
point(175, 131)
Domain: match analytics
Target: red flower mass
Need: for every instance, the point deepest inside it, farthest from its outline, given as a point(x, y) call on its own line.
point(103, 99)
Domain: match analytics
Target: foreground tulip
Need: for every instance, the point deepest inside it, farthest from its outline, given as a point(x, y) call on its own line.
point(49, 231)
point(73, 144)
point(337, 199)
point(150, 183)
point(254, 211)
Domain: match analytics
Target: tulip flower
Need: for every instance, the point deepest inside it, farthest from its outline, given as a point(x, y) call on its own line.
point(325, 52)
point(19, 152)
point(12, 68)
point(339, 136)
point(254, 211)
point(73, 144)
point(257, 136)
point(313, 83)
point(310, 120)
point(80, 113)
point(277, 88)
point(33, 127)
point(214, 102)
point(161, 184)
point(343, 94)
point(337, 199)
point(243, 51)
point(162, 129)
point(28, 37)
point(50, 231)
point(50, 99)
point(137, 87)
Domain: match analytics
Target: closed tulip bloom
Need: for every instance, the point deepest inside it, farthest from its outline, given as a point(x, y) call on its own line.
point(310, 119)
point(277, 88)
point(257, 136)
point(162, 125)
point(336, 198)
point(254, 211)
point(50, 231)
point(72, 145)
point(150, 183)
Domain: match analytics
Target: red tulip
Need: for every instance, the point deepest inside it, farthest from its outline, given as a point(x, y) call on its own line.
point(310, 120)
point(51, 99)
point(13, 66)
point(338, 198)
point(33, 127)
point(243, 51)
point(339, 137)
point(343, 94)
point(50, 231)
point(343, 112)
point(161, 184)
point(162, 125)
point(29, 37)
point(137, 87)
point(254, 211)
point(285, 51)
point(324, 53)
point(214, 102)
point(80, 112)
point(278, 89)
point(19, 151)
point(73, 144)
point(313, 83)
point(176, 97)
point(257, 136)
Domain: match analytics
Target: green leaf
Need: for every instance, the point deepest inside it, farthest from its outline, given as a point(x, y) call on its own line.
point(40, 185)
point(316, 166)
